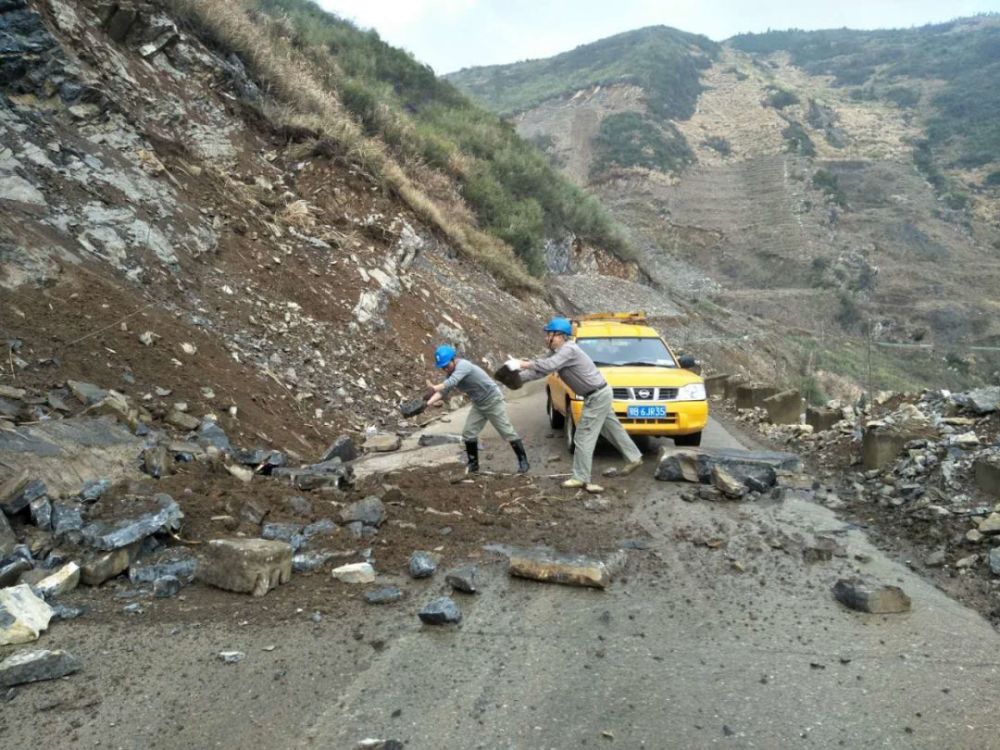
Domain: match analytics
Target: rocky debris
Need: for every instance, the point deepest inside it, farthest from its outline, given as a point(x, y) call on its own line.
point(307, 562)
point(182, 421)
point(987, 473)
point(178, 562)
point(297, 505)
point(412, 408)
point(369, 511)
point(23, 615)
point(231, 657)
point(430, 441)
point(727, 484)
point(290, 533)
point(67, 520)
point(865, 596)
point(980, 401)
point(35, 666)
point(462, 579)
point(822, 418)
point(343, 448)
point(387, 595)
point(110, 535)
point(994, 561)
point(332, 473)
point(253, 566)
point(166, 587)
point(442, 611)
point(61, 582)
point(822, 549)
point(382, 442)
point(552, 567)
point(355, 573)
point(11, 569)
point(989, 525)
point(19, 492)
point(696, 465)
point(96, 568)
point(66, 612)
point(86, 393)
point(157, 462)
point(7, 538)
point(422, 564)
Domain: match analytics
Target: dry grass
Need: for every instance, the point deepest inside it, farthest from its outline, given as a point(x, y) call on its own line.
point(303, 100)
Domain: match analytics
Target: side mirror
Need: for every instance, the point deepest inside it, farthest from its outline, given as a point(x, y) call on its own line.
point(687, 361)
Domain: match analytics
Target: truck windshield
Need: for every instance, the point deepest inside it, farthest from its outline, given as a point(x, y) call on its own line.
point(627, 352)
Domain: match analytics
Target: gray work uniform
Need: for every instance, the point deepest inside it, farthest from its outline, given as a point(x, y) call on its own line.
point(598, 418)
point(487, 401)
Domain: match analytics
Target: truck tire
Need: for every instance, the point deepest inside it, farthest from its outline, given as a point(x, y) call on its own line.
point(556, 420)
point(692, 441)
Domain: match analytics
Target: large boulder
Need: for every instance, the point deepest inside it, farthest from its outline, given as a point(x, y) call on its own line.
point(251, 566)
point(755, 468)
point(113, 534)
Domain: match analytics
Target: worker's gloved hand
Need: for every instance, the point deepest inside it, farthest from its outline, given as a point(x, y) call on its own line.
point(513, 364)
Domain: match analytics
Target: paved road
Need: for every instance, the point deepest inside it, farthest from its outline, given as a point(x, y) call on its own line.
point(739, 647)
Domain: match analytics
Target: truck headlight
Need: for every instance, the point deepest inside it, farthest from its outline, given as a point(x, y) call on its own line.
point(692, 392)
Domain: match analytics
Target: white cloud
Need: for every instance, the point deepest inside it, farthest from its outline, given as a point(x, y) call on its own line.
point(387, 16)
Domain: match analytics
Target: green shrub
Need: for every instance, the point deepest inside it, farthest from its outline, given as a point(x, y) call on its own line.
point(798, 140)
point(781, 98)
point(630, 139)
point(992, 179)
point(829, 184)
point(718, 143)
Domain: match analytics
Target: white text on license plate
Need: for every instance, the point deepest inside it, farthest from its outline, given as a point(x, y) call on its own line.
point(647, 412)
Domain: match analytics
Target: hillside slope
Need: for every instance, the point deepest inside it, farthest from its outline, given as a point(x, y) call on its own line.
point(836, 212)
point(164, 235)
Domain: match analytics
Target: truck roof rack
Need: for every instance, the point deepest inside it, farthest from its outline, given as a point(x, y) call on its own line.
point(633, 318)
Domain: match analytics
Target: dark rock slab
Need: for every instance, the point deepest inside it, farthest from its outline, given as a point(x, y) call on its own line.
point(7, 538)
point(308, 562)
point(696, 465)
point(866, 596)
point(18, 493)
point(343, 448)
point(284, 532)
point(210, 434)
point(93, 489)
point(387, 595)
point(441, 611)
point(166, 587)
point(412, 407)
point(110, 535)
point(322, 527)
point(66, 611)
point(462, 579)
point(37, 665)
point(429, 441)
point(66, 518)
point(11, 570)
point(422, 564)
point(178, 562)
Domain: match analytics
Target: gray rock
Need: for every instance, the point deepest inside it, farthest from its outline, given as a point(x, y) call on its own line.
point(231, 657)
point(332, 473)
point(18, 494)
point(355, 529)
point(41, 512)
point(727, 484)
point(35, 666)
point(210, 434)
point(7, 538)
point(428, 441)
point(936, 558)
point(177, 562)
point(182, 421)
point(981, 400)
point(110, 535)
point(422, 564)
point(11, 570)
point(865, 596)
point(94, 489)
point(66, 612)
point(343, 448)
point(382, 442)
point(412, 407)
point(441, 611)
point(86, 393)
point(300, 506)
point(166, 587)
point(135, 608)
point(994, 559)
point(822, 549)
point(462, 579)
point(387, 595)
point(157, 461)
point(246, 565)
point(66, 518)
point(370, 511)
point(99, 567)
point(322, 527)
point(307, 562)
point(284, 532)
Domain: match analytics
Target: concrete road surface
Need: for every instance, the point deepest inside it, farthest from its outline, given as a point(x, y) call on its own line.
point(740, 646)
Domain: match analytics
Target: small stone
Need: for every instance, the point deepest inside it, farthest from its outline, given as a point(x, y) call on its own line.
point(182, 421)
point(430, 441)
point(422, 565)
point(990, 524)
point(34, 666)
point(974, 535)
point(189, 349)
point(462, 579)
point(596, 504)
point(231, 657)
point(387, 595)
point(727, 484)
point(242, 473)
point(441, 611)
point(322, 527)
point(369, 511)
point(86, 393)
point(967, 562)
point(994, 559)
point(355, 573)
point(299, 506)
point(343, 448)
point(870, 597)
point(382, 443)
point(935, 559)
point(132, 609)
point(166, 587)
point(66, 612)
point(307, 562)
point(61, 582)
point(822, 550)
point(146, 338)
point(575, 570)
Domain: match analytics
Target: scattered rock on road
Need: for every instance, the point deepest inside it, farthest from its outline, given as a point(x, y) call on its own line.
point(231, 657)
point(23, 615)
point(253, 566)
point(462, 579)
point(370, 511)
point(551, 567)
point(441, 611)
point(355, 573)
point(865, 596)
point(35, 666)
point(422, 564)
point(387, 595)
point(383, 442)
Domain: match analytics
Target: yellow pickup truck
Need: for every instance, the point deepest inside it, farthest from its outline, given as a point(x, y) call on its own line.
point(653, 392)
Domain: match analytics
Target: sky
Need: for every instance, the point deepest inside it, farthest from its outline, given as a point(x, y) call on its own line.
point(453, 34)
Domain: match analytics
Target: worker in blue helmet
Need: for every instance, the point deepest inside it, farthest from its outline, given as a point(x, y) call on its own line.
point(598, 417)
point(488, 404)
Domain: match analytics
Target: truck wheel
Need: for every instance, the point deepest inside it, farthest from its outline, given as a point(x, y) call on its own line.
point(556, 420)
point(692, 441)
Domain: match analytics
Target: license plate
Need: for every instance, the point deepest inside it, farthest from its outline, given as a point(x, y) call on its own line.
point(646, 412)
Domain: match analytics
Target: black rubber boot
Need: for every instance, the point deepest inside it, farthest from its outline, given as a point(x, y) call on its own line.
point(472, 449)
point(522, 457)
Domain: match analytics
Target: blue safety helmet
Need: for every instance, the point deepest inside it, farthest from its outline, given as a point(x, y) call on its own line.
point(443, 355)
point(559, 325)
